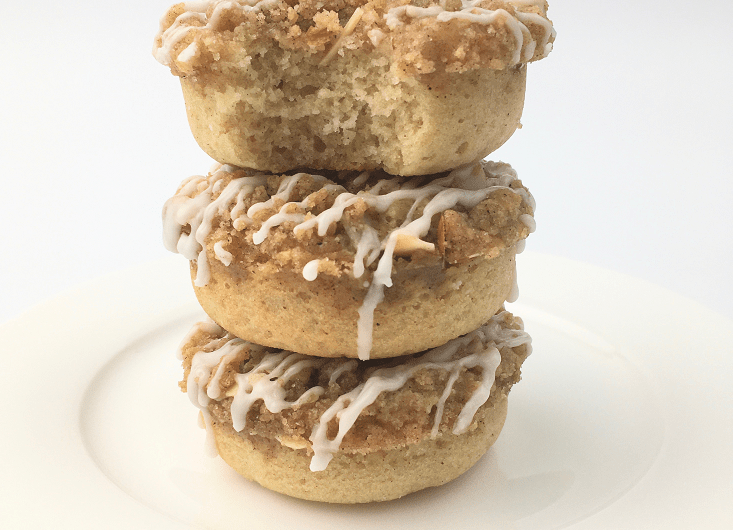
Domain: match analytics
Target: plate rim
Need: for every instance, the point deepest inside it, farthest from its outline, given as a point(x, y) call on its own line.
point(548, 282)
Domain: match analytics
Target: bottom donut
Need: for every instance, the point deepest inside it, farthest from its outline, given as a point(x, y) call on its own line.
point(348, 431)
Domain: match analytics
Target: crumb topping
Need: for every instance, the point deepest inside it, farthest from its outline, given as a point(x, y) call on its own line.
point(419, 36)
point(257, 220)
point(326, 405)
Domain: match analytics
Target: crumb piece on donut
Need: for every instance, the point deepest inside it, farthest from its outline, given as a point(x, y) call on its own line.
point(485, 229)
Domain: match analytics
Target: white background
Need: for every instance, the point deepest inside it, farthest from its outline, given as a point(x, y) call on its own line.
point(626, 143)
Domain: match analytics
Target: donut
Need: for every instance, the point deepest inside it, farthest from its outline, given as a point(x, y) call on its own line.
point(371, 266)
point(348, 431)
point(356, 85)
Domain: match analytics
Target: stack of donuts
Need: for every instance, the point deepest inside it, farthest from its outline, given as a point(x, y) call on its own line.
point(351, 248)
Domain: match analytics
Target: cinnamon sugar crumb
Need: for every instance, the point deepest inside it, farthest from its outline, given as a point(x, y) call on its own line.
point(419, 43)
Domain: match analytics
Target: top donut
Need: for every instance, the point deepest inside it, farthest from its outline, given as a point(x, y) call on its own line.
point(410, 88)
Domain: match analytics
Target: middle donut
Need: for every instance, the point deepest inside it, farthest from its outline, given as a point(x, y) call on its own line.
point(345, 265)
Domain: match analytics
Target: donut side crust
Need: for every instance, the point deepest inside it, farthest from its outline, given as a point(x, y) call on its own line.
point(282, 310)
point(360, 478)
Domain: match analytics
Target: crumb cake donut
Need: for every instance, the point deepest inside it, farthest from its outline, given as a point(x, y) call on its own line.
point(411, 88)
point(369, 267)
point(341, 430)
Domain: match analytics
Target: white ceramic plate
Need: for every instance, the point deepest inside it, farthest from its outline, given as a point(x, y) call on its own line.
point(623, 419)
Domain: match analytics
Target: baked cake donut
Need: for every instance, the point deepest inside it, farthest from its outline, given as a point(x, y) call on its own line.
point(411, 88)
point(346, 431)
point(331, 265)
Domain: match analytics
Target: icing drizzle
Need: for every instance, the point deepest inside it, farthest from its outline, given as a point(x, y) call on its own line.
point(193, 19)
point(525, 45)
point(266, 381)
point(194, 206)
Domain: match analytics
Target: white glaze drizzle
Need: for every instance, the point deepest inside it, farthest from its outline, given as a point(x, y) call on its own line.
point(347, 366)
point(198, 211)
point(188, 53)
point(198, 10)
point(348, 407)
point(465, 186)
point(202, 384)
point(548, 32)
point(266, 381)
point(175, 33)
point(310, 271)
point(440, 197)
point(521, 244)
point(529, 222)
point(471, 12)
point(361, 179)
point(222, 254)
point(288, 211)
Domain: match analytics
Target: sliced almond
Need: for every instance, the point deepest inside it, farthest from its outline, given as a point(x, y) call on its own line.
point(348, 30)
point(407, 244)
point(294, 442)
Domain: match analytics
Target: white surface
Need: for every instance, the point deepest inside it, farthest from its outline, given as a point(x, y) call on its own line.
point(615, 424)
point(626, 143)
